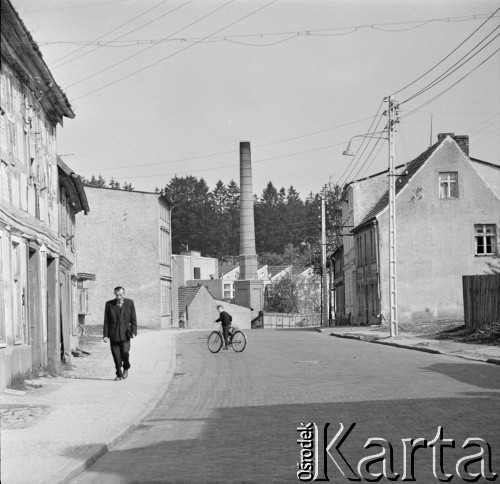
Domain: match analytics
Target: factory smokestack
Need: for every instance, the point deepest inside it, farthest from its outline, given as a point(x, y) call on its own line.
point(248, 255)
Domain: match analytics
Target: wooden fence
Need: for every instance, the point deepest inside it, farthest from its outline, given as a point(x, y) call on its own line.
point(284, 321)
point(481, 299)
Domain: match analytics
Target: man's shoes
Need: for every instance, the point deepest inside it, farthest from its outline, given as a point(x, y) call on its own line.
point(118, 378)
point(125, 374)
point(225, 348)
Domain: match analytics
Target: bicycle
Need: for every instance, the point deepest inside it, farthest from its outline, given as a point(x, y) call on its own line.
point(237, 339)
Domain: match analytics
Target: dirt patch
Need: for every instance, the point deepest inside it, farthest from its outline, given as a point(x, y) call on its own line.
point(21, 416)
point(430, 327)
point(488, 334)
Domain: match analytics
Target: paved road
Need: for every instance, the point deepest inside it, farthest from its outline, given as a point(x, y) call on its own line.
point(234, 417)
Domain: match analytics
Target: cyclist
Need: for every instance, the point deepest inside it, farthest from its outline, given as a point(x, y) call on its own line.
point(224, 318)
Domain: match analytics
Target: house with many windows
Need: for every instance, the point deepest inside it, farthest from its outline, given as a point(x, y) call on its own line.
point(126, 241)
point(447, 224)
point(39, 198)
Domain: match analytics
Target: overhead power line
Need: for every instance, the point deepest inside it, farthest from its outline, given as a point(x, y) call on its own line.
point(177, 52)
point(296, 33)
point(237, 164)
point(448, 55)
point(411, 113)
point(129, 32)
point(362, 143)
point(455, 67)
point(110, 31)
point(219, 153)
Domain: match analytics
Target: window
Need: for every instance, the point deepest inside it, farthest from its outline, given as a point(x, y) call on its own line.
point(197, 273)
point(448, 184)
point(164, 246)
point(165, 295)
point(486, 239)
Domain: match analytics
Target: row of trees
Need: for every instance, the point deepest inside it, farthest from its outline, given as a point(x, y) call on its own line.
point(100, 182)
point(287, 228)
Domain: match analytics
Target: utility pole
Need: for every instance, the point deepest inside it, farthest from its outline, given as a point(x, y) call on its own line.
point(324, 286)
point(393, 119)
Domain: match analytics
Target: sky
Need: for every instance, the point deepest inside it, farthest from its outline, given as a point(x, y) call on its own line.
point(297, 79)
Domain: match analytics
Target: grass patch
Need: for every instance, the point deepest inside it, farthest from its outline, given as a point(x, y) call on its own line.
point(17, 381)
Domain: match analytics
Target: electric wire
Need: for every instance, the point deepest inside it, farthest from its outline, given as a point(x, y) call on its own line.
point(369, 130)
point(368, 157)
point(411, 113)
point(301, 33)
point(450, 70)
point(129, 32)
point(229, 151)
point(237, 164)
point(488, 139)
point(109, 32)
point(175, 53)
point(448, 55)
point(363, 174)
point(368, 138)
point(203, 17)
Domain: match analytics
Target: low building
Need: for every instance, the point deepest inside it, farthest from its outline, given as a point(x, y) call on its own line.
point(447, 225)
point(126, 241)
point(190, 265)
point(198, 309)
point(229, 273)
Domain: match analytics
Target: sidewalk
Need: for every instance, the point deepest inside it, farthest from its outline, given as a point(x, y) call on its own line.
point(419, 342)
point(52, 433)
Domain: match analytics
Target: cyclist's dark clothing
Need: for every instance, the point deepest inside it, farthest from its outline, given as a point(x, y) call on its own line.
point(225, 319)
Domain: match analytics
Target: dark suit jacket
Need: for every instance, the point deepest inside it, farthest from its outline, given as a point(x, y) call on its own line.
point(117, 322)
point(224, 318)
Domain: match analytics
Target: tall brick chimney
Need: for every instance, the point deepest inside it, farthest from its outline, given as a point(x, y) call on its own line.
point(249, 289)
point(248, 255)
point(461, 139)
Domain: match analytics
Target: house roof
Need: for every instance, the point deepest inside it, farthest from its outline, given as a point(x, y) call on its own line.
point(22, 52)
point(186, 296)
point(226, 268)
point(74, 186)
point(274, 270)
point(401, 181)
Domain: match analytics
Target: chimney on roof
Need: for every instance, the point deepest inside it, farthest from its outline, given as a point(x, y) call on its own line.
point(462, 140)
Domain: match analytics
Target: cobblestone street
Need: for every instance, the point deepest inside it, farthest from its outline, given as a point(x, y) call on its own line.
point(233, 417)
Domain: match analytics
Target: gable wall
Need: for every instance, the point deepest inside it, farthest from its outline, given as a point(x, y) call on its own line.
point(435, 238)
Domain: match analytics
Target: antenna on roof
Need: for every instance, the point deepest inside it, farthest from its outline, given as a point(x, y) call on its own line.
point(430, 144)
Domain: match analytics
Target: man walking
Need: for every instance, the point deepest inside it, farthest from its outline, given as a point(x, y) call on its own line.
point(120, 325)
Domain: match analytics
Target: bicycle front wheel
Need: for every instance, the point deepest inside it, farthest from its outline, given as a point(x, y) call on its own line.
point(214, 341)
point(239, 341)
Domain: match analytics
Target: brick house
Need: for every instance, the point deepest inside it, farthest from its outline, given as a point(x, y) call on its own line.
point(447, 222)
point(126, 241)
point(32, 252)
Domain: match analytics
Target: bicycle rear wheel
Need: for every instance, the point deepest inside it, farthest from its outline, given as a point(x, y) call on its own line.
point(214, 341)
point(239, 341)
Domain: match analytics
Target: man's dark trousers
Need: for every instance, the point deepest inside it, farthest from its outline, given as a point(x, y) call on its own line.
point(120, 351)
point(120, 324)
point(225, 332)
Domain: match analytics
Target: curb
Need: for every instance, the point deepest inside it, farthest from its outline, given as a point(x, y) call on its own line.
point(493, 361)
point(105, 448)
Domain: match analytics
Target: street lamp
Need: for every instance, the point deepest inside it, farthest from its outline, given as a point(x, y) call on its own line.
point(348, 151)
point(393, 114)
